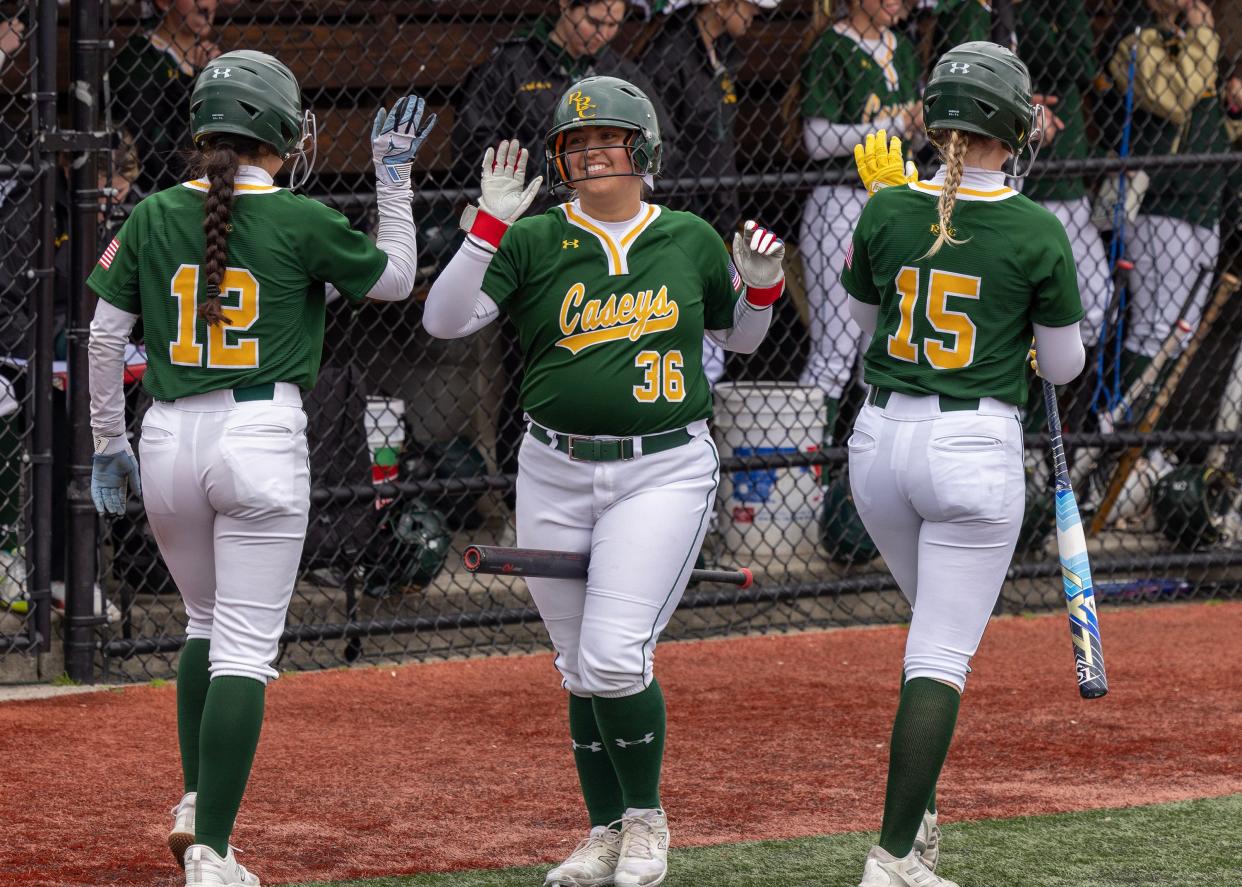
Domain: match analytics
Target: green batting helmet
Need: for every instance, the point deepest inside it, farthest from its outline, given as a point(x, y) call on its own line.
point(251, 94)
point(604, 101)
point(1190, 504)
point(841, 530)
point(409, 549)
point(983, 88)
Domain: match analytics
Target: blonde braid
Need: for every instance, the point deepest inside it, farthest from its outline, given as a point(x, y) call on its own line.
point(954, 155)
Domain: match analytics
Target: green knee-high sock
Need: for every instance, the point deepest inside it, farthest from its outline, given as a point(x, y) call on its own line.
point(600, 788)
point(193, 678)
point(232, 719)
point(633, 731)
point(922, 730)
point(931, 801)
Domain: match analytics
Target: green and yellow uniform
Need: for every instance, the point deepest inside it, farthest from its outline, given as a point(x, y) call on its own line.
point(959, 323)
point(282, 250)
point(611, 327)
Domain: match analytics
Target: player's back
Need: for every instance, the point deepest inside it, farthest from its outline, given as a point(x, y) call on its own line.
point(959, 322)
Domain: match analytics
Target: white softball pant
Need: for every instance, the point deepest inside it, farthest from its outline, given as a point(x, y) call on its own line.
point(1094, 283)
point(226, 487)
point(1167, 255)
point(828, 221)
point(642, 523)
point(942, 495)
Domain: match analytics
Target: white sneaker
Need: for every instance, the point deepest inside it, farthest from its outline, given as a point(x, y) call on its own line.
point(101, 606)
point(182, 834)
point(643, 858)
point(205, 868)
point(885, 870)
point(927, 841)
point(13, 581)
point(592, 862)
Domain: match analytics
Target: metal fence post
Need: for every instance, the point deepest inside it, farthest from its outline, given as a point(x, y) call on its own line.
point(87, 43)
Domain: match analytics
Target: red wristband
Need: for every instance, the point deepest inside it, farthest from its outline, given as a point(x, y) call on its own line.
point(762, 298)
point(487, 228)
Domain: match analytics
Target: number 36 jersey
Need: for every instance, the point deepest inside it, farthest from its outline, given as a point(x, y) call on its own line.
point(960, 322)
point(610, 322)
point(282, 249)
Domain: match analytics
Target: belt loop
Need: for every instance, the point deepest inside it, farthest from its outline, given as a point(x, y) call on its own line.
point(551, 437)
point(637, 446)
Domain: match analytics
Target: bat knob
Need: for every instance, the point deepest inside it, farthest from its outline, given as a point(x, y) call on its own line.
point(472, 557)
point(750, 578)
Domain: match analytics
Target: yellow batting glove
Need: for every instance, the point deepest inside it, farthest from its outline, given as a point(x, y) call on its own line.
point(880, 163)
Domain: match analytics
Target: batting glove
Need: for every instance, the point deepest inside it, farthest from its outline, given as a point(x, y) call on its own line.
point(110, 475)
point(758, 255)
point(396, 138)
point(505, 194)
point(880, 165)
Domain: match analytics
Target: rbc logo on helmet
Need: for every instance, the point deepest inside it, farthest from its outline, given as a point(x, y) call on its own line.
point(216, 73)
point(959, 68)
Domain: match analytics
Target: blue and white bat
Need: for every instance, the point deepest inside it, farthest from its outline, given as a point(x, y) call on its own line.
point(1075, 567)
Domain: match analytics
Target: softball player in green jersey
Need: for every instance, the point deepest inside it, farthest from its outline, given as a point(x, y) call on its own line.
point(611, 296)
point(228, 273)
point(949, 280)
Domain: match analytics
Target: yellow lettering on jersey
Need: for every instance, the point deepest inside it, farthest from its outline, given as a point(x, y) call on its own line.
point(535, 85)
point(627, 316)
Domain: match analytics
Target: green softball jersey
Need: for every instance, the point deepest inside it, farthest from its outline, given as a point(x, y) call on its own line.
point(843, 83)
point(611, 327)
point(282, 249)
point(959, 323)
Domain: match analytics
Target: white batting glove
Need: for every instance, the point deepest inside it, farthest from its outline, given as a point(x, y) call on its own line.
point(396, 138)
point(758, 254)
point(505, 194)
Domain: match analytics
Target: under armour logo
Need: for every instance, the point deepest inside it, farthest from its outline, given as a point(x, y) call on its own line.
point(646, 740)
point(959, 68)
point(594, 746)
point(217, 73)
point(566, 244)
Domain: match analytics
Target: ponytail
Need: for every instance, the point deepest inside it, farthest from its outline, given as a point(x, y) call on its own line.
point(953, 153)
point(217, 160)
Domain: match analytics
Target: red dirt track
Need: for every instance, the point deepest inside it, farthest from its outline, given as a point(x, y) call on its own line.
point(459, 765)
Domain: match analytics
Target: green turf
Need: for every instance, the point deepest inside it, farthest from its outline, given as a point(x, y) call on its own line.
point(1188, 844)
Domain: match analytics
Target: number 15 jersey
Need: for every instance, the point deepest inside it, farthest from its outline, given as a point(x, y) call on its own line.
point(282, 249)
point(960, 322)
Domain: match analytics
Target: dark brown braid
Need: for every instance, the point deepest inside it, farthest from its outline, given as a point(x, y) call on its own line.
point(217, 160)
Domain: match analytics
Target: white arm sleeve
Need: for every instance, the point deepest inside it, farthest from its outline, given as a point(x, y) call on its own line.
point(750, 325)
point(396, 236)
point(1060, 352)
point(864, 315)
point(823, 138)
point(457, 305)
point(110, 330)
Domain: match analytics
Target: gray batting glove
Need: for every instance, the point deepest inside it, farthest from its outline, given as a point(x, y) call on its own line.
point(502, 181)
point(110, 476)
point(396, 138)
point(758, 254)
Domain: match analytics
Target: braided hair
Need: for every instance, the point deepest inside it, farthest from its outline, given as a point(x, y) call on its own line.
point(953, 153)
point(217, 159)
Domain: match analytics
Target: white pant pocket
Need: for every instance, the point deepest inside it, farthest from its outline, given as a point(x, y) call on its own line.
point(970, 475)
point(267, 461)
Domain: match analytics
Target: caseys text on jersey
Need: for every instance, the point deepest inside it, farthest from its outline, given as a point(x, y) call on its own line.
point(626, 316)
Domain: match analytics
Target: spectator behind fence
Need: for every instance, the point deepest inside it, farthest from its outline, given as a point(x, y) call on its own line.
point(513, 95)
point(151, 78)
point(695, 57)
point(860, 76)
point(1176, 111)
point(17, 209)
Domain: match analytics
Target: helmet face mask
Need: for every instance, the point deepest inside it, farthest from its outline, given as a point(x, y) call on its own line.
point(602, 102)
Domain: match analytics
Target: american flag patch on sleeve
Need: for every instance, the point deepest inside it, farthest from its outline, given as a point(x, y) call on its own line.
point(849, 256)
point(734, 276)
point(105, 261)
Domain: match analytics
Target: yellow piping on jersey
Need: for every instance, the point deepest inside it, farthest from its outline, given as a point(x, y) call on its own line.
point(967, 193)
point(617, 253)
point(240, 187)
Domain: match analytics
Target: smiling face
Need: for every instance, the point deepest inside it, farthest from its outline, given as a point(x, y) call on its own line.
point(599, 162)
point(883, 13)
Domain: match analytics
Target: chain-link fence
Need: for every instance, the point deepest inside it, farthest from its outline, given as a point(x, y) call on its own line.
point(414, 440)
